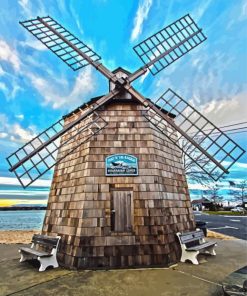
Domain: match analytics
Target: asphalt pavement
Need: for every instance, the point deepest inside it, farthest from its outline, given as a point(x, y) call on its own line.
point(235, 226)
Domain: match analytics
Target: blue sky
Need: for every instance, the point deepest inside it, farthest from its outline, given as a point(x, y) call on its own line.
point(36, 88)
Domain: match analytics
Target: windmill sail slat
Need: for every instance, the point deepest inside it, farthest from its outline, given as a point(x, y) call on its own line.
point(214, 155)
point(40, 162)
point(169, 44)
point(51, 40)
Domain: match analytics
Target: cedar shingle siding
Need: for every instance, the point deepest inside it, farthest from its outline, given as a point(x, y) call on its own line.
point(81, 198)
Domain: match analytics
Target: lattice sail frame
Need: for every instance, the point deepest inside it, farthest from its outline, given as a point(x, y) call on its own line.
point(57, 45)
point(31, 168)
point(169, 44)
point(218, 153)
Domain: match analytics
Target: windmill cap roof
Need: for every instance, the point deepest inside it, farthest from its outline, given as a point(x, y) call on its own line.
point(94, 99)
point(118, 69)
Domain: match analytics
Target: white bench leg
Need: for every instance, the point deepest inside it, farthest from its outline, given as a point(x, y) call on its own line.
point(211, 251)
point(25, 256)
point(49, 261)
point(192, 256)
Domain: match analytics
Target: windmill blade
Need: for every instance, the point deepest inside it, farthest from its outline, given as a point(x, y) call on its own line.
point(218, 154)
point(213, 154)
point(75, 53)
point(30, 169)
point(168, 45)
point(36, 157)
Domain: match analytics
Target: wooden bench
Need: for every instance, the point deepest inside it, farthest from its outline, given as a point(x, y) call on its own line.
point(193, 243)
point(44, 249)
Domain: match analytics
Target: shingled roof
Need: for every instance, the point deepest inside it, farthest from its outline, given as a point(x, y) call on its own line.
point(94, 99)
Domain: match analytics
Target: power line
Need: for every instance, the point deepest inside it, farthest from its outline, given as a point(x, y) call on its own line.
point(229, 133)
point(230, 130)
point(243, 122)
point(222, 127)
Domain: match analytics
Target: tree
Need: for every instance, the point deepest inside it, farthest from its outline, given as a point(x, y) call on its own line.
point(212, 193)
point(192, 165)
point(238, 190)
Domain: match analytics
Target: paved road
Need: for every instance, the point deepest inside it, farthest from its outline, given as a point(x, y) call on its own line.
point(230, 225)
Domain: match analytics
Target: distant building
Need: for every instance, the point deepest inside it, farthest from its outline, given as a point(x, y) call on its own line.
point(201, 204)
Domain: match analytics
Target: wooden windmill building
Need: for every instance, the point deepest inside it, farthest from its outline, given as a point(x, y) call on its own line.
point(118, 221)
point(119, 192)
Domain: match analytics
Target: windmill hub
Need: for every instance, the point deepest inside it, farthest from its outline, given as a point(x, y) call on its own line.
point(121, 75)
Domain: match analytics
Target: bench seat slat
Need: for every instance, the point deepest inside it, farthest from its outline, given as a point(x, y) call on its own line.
point(201, 246)
point(45, 240)
point(191, 236)
point(35, 252)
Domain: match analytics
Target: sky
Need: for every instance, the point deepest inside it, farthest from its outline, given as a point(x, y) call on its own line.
point(37, 88)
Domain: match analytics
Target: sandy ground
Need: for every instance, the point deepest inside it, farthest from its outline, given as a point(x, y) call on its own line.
point(213, 234)
point(17, 236)
point(25, 236)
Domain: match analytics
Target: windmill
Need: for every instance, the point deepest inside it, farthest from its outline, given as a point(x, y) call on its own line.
point(170, 116)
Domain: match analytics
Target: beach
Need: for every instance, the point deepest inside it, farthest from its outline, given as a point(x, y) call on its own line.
point(17, 236)
point(25, 236)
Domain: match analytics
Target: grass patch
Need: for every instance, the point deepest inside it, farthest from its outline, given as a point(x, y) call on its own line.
point(228, 213)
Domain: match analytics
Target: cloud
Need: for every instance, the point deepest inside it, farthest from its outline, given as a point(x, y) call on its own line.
point(14, 181)
point(35, 44)
point(23, 4)
point(3, 87)
point(11, 90)
point(237, 166)
point(20, 116)
point(200, 10)
point(1, 71)
point(3, 135)
point(141, 16)
point(57, 96)
point(226, 110)
point(9, 55)
point(29, 9)
point(14, 132)
point(9, 84)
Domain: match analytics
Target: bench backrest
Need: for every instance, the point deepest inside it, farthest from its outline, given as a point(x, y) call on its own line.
point(189, 237)
point(45, 240)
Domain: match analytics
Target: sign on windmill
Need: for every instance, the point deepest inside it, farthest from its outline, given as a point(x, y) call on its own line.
point(121, 165)
point(119, 192)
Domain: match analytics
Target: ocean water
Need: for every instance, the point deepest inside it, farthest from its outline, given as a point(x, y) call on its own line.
point(21, 220)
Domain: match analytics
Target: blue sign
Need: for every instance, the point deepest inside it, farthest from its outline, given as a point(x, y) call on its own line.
point(121, 165)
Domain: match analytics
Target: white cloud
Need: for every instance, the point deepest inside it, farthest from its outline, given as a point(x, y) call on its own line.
point(23, 4)
point(20, 116)
point(11, 91)
point(226, 110)
point(9, 55)
point(3, 87)
point(244, 9)
point(3, 135)
point(14, 181)
point(141, 16)
point(30, 8)
point(237, 166)
point(144, 76)
point(20, 134)
point(14, 131)
point(1, 71)
point(200, 10)
point(241, 165)
point(57, 96)
point(35, 44)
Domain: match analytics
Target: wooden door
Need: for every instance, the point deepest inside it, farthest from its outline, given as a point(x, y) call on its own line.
point(122, 210)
